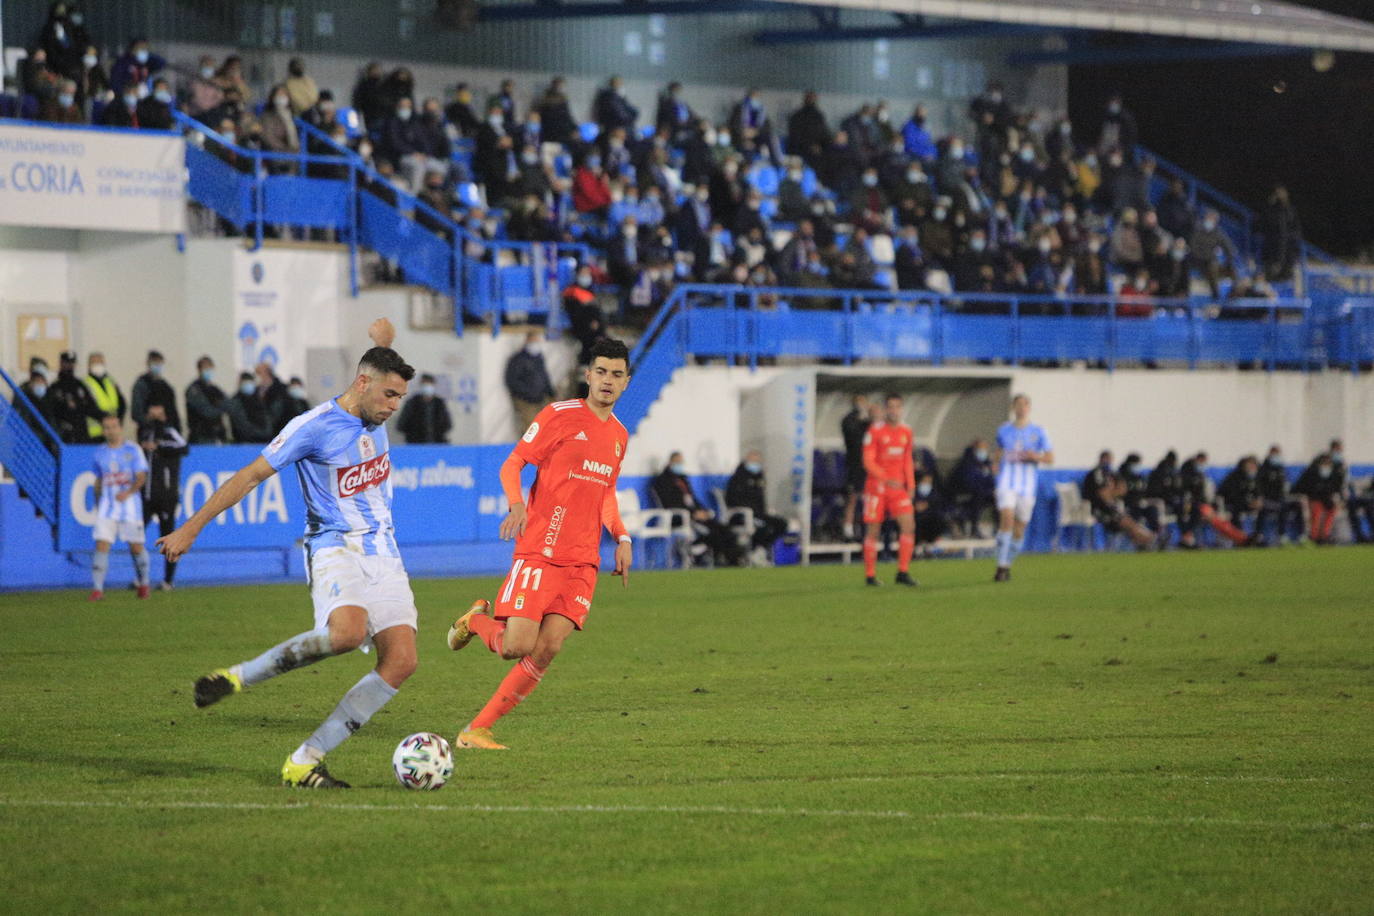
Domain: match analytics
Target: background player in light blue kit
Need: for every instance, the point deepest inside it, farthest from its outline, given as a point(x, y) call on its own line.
point(1022, 446)
point(120, 471)
point(357, 583)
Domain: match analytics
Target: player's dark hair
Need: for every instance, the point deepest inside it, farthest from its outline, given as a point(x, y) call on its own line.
point(384, 361)
point(891, 395)
point(610, 348)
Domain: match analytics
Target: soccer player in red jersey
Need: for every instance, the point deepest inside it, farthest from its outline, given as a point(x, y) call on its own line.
point(889, 488)
point(577, 447)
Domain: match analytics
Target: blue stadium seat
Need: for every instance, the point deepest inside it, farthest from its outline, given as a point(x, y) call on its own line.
point(353, 123)
point(769, 207)
point(809, 181)
point(764, 178)
point(588, 132)
point(469, 195)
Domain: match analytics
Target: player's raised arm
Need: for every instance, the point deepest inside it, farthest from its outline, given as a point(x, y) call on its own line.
point(229, 494)
point(513, 525)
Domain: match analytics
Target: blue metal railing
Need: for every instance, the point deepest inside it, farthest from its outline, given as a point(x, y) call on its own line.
point(30, 449)
point(747, 324)
point(487, 279)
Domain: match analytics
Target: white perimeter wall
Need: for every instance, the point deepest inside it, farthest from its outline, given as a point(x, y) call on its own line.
point(1226, 413)
point(127, 293)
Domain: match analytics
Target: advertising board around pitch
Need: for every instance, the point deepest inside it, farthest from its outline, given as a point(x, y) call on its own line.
point(441, 494)
point(92, 178)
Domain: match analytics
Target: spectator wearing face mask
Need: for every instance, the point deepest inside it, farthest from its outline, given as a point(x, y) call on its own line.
point(123, 110)
point(64, 37)
point(931, 513)
point(92, 83)
point(424, 417)
point(587, 321)
point(105, 394)
point(527, 380)
point(249, 419)
point(206, 404)
point(973, 484)
point(151, 387)
point(155, 111)
point(68, 403)
point(135, 67)
point(1119, 128)
point(746, 489)
point(591, 189)
point(204, 95)
point(711, 539)
point(750, 128)
point(494, 159)
point(1134, 483)
point(975, 269)
point(292, 405)
point(1323, 487)
point(35, 388)
point(62, 108)
point(1213, 253)
point(279, 134)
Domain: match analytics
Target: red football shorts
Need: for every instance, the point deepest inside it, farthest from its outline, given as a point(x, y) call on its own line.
point(887, 502)
point(533, 589)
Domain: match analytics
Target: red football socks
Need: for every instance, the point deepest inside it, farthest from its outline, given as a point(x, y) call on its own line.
point(870, 557)
point(488, 630)
point(518, 684)
point(906, 545)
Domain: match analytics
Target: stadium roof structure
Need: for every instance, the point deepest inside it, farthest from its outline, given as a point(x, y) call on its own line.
point(1171, 29)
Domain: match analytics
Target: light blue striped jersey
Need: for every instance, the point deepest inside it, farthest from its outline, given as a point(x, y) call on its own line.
point(1016, 474)
point(117, 467)
point(345, 473)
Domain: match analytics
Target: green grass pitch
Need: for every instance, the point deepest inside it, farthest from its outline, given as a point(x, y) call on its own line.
point(1170, 733)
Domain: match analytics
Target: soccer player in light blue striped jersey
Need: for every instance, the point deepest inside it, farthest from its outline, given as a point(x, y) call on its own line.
point(1022, 446)
point(359, 588)
point(120, 471)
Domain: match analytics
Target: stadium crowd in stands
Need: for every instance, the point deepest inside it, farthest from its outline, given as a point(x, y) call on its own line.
point(1019, 202)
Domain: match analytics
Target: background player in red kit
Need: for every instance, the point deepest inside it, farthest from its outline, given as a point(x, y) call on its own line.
point(577, 447)
point(888, 490)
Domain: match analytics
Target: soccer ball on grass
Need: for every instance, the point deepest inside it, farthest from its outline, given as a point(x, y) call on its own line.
point(422, 761)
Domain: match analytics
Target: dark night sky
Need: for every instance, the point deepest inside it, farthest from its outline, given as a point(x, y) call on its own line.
point(1225, 122)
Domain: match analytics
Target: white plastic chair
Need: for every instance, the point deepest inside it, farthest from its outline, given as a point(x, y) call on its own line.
point(646, 525)
point(1074, 512)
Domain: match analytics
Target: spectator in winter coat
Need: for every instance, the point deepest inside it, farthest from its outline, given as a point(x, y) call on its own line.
point(249, 419)
point(206, 405)
point(746, 489)
point(424, 418)
point(1323, 487)
point(152, 388)
point(610, 109)
point(555, 116)
point(1282, 234)
point(527, 380)
point(808, 135)
point(916, 139)
point(135, 67)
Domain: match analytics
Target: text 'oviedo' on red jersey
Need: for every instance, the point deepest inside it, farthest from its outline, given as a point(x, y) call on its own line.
point(578, 457)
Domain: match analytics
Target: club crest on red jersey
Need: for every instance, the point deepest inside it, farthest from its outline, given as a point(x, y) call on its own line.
point(359, 477)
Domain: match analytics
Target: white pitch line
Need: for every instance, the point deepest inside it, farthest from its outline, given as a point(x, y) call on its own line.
point(1034, 777)
point(931, 816)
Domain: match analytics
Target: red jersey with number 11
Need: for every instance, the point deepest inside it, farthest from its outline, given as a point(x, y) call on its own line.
point(578, 458)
